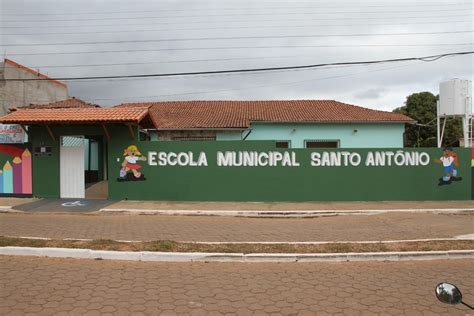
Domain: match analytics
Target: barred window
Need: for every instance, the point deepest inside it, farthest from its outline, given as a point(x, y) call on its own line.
point(321, 143)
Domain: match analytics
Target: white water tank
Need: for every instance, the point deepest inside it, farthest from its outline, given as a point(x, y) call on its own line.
point(453, 95)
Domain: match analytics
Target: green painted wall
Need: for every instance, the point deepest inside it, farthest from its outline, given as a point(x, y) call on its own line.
point(46, 169)
point(304, 183)
point(213, 183)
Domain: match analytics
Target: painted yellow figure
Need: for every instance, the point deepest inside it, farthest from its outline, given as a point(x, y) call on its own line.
point(132, 155)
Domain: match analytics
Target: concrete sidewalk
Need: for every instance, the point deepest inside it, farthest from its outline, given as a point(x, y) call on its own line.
point(236, 209)
point(285, 209)
point(7, 203)
point(291, 206)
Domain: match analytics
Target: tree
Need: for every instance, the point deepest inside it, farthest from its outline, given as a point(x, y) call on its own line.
point(422, 108)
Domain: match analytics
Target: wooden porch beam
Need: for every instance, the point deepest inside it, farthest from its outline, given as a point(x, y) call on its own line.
point(106, 131)
point(23, 127)
point(132, 132)
point(50, 132)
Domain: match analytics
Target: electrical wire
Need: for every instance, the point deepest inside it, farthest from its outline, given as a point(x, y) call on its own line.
point(173, 61)
point(252, 70)
point(235, 47)
point(252, 87)
point(256, 86)
point(427, 124)
point(226, 15)
point(417, 17)
point(234, 38)
point(232, 28)
point(179, 61)
point(233, 9)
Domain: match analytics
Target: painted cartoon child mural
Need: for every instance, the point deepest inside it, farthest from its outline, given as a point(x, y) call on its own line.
point(455, 163)
point(449, 159)
point(130, 167)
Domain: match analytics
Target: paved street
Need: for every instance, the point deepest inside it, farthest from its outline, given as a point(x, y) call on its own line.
point(194, 228)
point(45, 286)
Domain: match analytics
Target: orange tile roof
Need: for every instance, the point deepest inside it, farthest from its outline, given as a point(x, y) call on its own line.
point(34, 72)
point(240, 114)
point(75, 116)
point(68, 103)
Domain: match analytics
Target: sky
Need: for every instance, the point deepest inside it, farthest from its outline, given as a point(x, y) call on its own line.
point(123, 37)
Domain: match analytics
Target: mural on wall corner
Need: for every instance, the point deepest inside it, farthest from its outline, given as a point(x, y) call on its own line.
point(130, 170)
point(450, 163)
point(15, 170)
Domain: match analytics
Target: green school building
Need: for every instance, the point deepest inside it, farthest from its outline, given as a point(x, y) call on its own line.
point(305, 150)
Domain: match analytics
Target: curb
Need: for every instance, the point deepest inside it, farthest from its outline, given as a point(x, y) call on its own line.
point(233, 257)
point(276, 214)
point(258, 213)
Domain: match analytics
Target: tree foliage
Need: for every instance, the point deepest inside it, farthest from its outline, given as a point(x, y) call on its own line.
point(422, 108)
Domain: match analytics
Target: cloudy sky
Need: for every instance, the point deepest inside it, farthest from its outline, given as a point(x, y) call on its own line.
point(123, 37)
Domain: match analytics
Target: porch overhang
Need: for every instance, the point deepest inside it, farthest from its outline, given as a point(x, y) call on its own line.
point(82, 116)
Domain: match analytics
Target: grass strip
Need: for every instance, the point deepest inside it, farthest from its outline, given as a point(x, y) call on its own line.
point(173, 246)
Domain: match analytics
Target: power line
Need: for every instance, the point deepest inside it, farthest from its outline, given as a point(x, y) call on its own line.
point(237, 47)
point(254, 70)
point(236, 38)
point(417, 17)
point(235, 28)
point(178, 61)
point(227, 15)
point(232, 9)
point(173, 61)
point(218, 75)
point(254, 86)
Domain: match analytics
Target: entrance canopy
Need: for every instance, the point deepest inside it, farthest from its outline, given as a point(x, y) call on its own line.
point(76, 116)
point(137, 116)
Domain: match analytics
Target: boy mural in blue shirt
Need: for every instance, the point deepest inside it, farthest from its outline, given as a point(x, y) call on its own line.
point(449, 160)
point(455, 163)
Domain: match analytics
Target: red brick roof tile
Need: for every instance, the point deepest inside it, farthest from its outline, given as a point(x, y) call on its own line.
point(75, 116)
point(239, 114)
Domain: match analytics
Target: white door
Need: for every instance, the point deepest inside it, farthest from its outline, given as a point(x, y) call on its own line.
point(72, 167)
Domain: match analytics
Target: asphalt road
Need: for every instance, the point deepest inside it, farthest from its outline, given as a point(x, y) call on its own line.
point(46, 286)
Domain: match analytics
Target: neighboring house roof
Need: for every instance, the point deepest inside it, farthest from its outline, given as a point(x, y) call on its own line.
point(76, 116)
point(240, 114)
point(34, 72)
point(68, 103)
